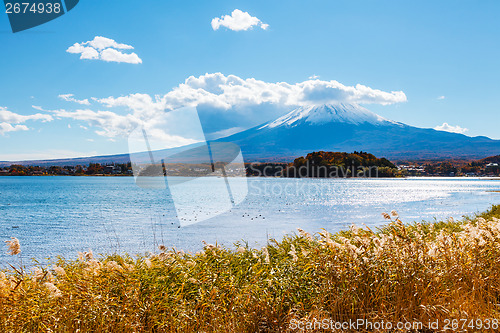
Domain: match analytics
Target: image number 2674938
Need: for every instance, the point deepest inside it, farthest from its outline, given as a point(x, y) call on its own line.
point(26, 14)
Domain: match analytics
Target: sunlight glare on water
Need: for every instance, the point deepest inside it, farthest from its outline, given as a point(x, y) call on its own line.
point(62, 215)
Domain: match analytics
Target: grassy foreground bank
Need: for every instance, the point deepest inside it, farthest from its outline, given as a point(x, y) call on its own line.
point(418, 272)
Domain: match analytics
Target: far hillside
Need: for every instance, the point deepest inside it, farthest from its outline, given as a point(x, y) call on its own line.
point(486, 167)
point(491, 159)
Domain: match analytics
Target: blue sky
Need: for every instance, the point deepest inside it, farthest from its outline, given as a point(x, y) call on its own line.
point(442, 56)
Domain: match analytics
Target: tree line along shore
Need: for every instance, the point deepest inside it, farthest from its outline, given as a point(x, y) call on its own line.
point(316, 164)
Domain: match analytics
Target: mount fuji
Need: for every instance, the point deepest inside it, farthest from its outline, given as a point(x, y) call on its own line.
point(350, 127)
point(332, 127)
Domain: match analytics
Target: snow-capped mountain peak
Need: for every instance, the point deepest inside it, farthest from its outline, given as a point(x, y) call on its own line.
point(329, 113)
point(348, 128)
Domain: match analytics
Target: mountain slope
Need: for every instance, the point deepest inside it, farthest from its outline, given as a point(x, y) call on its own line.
point(345, 127)
point(340, 127)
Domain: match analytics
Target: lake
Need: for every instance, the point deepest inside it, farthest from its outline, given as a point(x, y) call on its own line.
point(63, 215)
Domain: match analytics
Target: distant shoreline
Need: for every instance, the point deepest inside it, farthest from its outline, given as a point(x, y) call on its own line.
point(250, 176)
point(97, 175)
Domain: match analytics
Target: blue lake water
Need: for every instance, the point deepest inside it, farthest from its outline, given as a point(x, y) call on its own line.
point(63, 215)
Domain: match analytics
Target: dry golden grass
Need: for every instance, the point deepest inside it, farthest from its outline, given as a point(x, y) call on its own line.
point(417, 272)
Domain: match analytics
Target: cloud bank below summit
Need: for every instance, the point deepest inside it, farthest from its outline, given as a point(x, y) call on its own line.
point(226, 104)
point(234, 93)
point(230, 102)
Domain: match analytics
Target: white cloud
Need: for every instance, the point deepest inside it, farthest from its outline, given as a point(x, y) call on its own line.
point(441, 97)
point(226, 104)
point(143, 105)
point(112, 125)
point(225, 92)
point(112, 55)
point(11, 122)
point(452, 129)
point(320, 92)
point(70, 98)
point(237, 21)
point(313, 77)
point(105, 49)
point(11, 117)
point(233, 102)
point(86, 52)
point(101, 43)
point(6, 128)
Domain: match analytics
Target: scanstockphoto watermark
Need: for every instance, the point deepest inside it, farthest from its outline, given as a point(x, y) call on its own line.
point(294, 187)
point(309, 170)
point(299, 179)
point(26, 14)
point(357, 325)
point(455, 324)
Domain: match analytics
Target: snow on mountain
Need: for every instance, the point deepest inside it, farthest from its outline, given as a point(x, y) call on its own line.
point(339, 113)
point(350, 127)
